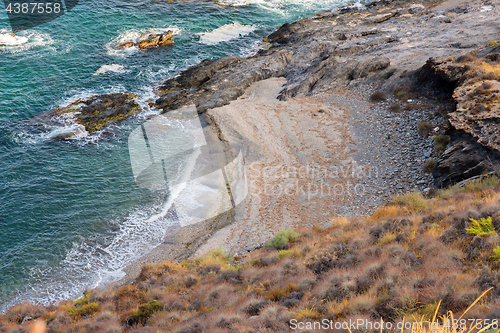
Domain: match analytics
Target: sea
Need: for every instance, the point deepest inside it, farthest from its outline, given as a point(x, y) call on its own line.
point(71, 215)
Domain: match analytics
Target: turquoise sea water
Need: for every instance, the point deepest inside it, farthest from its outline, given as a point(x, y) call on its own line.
point(71, 215)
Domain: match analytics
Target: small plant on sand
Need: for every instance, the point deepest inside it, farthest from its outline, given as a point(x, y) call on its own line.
point(283, 237)
point(429, 166)
point(483, 227)
point(413, 201)
point(378, 96)
point(440, 143)
point(493, 43)
point(424, 128)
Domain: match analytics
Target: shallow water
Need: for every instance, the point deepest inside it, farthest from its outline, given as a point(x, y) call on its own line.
point(71, 215)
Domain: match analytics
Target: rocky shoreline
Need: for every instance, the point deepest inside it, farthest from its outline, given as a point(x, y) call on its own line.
point(351, 87)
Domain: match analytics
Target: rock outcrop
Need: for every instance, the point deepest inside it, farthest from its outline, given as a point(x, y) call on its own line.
point(151, 40)
point(348, 48)
point(475, 120)
point(477, 95)
point(93, 113)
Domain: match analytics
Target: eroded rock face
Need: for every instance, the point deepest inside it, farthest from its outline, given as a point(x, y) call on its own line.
point(477, 95)
point(464, 159)
point(151, 40)
point(98, 111)
point(478, 111)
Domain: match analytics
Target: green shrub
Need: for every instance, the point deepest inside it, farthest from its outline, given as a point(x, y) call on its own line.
point(283, 237)
point(424, 128)
point(85, 299)
point(483, 227)
point(493, 43)
point(145, 311)
point(429, 166)
point(496, 255)
point(440, 143)
point(84, 310)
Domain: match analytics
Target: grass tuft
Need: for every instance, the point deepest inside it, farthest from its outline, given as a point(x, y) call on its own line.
point(440, 143)
point(424, 128)
point(429, 166)
point(413, 201)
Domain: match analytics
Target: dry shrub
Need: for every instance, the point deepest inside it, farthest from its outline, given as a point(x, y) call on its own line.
point(17, 313)
point(395, 107)
point(429, 166)
point(222, 296)
point(190, 280)
point(413, 201)
point(228, 320)
point(165, 319)
point(156, 270)
point(378, 96)
point(60, 320)
point(106, 316)
point(465, 58)
point(424, 128)
point(277, 293)
point(389, 212)
point(362, 304)
point(272, 317)
point(253, 306)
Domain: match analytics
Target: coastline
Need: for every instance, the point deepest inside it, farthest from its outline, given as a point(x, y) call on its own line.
point(368, 132)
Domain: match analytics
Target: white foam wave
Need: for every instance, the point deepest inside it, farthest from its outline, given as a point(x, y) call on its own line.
point(12, 40)
point(24, 41)
point(286, 7)
point(226, 33)
point(114, 68)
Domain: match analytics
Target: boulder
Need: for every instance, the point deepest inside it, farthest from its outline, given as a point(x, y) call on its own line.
point(150, 40)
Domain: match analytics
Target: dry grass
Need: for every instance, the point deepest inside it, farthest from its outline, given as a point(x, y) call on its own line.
point(413, 201)
point(396, 265)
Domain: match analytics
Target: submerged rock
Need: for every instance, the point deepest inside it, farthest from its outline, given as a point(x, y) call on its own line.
point(96, 112)
point(151, 40)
